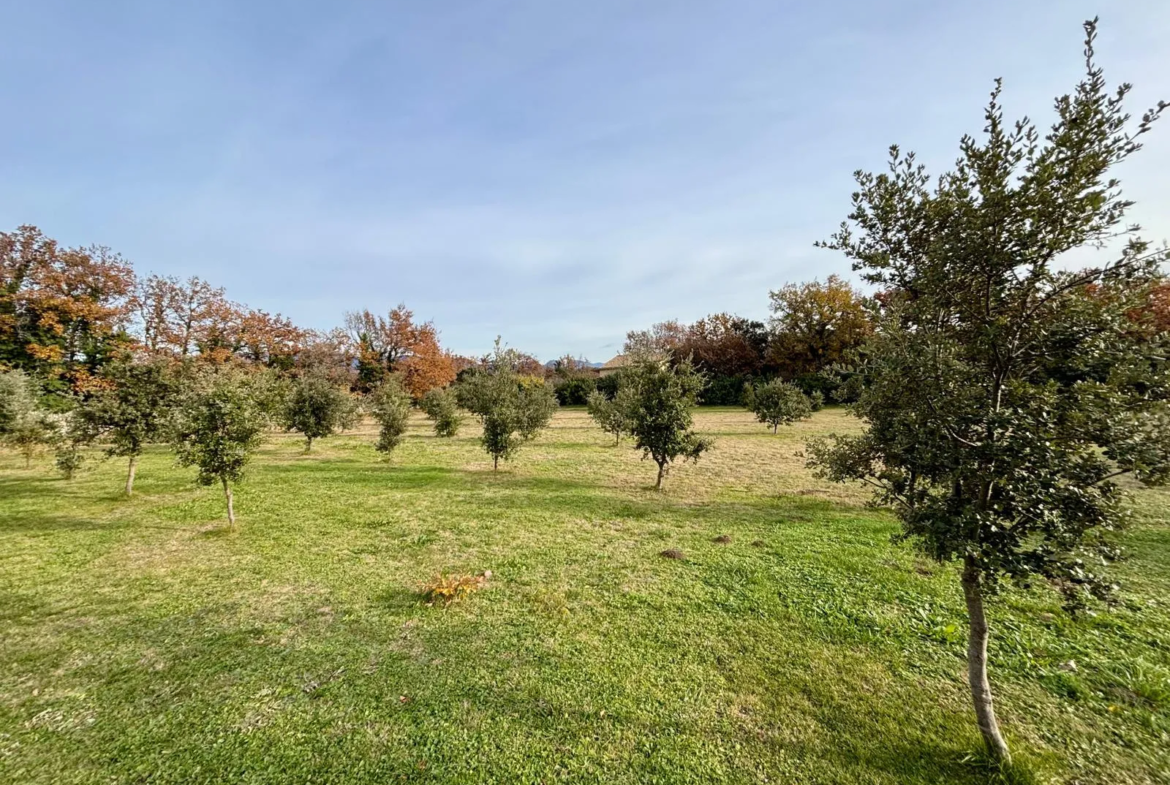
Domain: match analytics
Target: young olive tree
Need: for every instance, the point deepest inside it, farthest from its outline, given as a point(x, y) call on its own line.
point(536, 404)
point(390, 406)
point(1003, 395)
point(135, 410)
point(778, 403)
point(24, 425)
point(220, 424)
point(441, 406)
point(316, 406)
point(660, 413)
point(612, 415)
point(512, 409)
point(71, 437)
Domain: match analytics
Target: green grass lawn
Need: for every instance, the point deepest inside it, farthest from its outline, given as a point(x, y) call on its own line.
point(140, 641)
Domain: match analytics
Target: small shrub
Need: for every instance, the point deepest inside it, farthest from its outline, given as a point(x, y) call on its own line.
point(316, 407)
point(778, 403)
point(441, 406)
point(612, 415)
point(390, 406)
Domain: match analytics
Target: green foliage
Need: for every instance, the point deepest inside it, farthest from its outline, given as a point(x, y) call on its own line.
point(71, 436)
point(1002, 393)
point(24, 425)
point(390, 406)
point(536, 404)
point(513, 408)
point(608, 385)
point(220, 423)
point(723, 390)
point(575, 390)
point(613, 415)
point(778, 403)
point(135, 409)
point(660, 412)
point(442, 407)
point(317, 407)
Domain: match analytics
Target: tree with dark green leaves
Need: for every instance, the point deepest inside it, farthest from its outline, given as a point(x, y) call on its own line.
point(1005, 394)
point(441, 406)
point(777, 403)
point(135, 409)
point(390, 406)
point(662, 396)
point(220, 424)
point(316, 406)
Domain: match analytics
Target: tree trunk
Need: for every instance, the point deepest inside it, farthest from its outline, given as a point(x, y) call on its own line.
point(308, 444)
point(495, 463)
point(775, 428)
point(130, 475)
point(661, 472)
point(227, 493)
point(977, 665)
point(617, 439)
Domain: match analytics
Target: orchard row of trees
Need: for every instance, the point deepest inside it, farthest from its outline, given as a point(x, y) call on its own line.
point(814, 326)
point(1002, 395)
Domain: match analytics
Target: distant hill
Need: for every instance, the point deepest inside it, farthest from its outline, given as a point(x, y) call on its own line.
point(553, 363)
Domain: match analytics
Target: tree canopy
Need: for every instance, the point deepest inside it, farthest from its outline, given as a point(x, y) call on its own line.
point(1003, 393)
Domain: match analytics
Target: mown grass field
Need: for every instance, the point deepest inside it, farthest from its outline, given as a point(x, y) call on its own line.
point(142, 642)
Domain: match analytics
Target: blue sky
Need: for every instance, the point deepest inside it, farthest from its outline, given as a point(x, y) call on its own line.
point(554, 172)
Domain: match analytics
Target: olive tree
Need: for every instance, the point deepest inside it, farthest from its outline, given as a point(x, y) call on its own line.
point(1004, 394)
point(513, 409)
point(441, 406)
point(220, 424)
point(24, 425)
point(390, 406)
point(612, 415)
point(536, 403)
point(135, 409)
point(661, 398)
point(778, 403)
point(315, 406)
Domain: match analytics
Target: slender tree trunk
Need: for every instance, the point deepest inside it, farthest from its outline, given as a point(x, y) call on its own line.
point(308, 444)
point(775, 428)
point(617, 439)
point(227, 494)
point(977, 665)
point(130, 475)
point(495, 463)
point(661, 472)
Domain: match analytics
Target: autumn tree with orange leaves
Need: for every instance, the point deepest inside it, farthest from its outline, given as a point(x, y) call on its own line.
point(395, 344)
point(63, 311)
